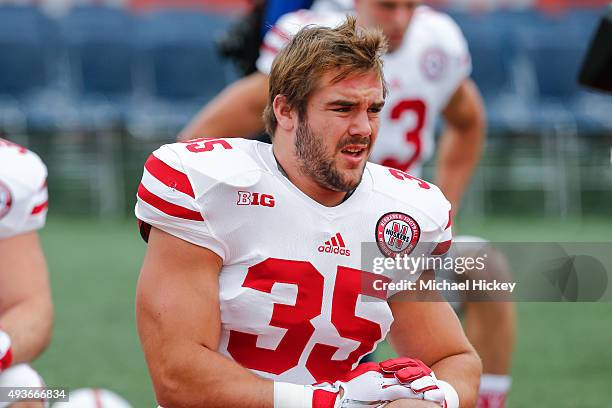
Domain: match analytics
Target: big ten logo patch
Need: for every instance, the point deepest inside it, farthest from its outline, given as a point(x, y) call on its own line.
point(248, 198)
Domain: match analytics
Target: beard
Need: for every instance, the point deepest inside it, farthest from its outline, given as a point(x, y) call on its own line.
point(316, 163)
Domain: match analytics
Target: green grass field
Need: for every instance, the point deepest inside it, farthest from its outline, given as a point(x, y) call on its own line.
point(563, 357)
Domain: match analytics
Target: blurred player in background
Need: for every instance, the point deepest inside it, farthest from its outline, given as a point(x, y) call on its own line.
point(428, 70)
point(26, 311)
point(236, 303)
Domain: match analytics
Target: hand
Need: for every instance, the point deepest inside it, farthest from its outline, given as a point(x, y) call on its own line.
point(417, 376)
point(6, 355)
point(366, 386)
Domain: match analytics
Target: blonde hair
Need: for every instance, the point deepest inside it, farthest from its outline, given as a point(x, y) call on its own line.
point(315, 50)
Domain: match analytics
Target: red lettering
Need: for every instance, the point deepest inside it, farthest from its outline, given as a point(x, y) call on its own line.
point(413, 136)
point(267, 200)
point(401, 175)
point(206, 145)
point(296, 319)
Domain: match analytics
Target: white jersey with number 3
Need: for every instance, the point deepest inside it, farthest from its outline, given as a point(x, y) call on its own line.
point(298, 303)
point(422, 74)
point(23, 190)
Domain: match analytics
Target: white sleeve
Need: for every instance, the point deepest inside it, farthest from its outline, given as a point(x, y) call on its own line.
point(444, 239)
point(284, 30)
point(275, 39)
point(23, 195)
point(167, 200)
point(456, 48)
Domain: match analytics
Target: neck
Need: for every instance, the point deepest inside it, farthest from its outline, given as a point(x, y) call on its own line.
point(305, 184)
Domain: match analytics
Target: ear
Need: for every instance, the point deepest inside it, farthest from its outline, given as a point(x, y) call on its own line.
point(285, 114)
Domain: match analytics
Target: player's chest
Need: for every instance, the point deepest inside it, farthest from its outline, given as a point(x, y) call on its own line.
point(270, 221)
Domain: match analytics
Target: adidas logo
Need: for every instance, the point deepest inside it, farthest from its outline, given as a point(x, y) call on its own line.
point(335, 246)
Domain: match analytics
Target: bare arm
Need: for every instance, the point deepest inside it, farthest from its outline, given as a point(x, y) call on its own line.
point(235, 112)
point(26, 311)
point(461, 144)
point(431, 332)
point(179, 323)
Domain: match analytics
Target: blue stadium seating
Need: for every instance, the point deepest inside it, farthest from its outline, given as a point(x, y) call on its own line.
point(27, 43)
point(493, 54)
point(156, 70)
point(555, 49)
point(99, 47)
point(25, 34)
point(181, 66)
point(180, 48)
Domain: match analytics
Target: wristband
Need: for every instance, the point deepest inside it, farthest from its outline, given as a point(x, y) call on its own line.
point(287, 395)
point(6, 355)
point(451, 398)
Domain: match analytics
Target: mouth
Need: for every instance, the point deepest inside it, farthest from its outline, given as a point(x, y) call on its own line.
point(354, 153)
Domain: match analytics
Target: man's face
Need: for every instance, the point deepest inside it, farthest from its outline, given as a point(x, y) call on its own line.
point(334, 140)
point(392, 16)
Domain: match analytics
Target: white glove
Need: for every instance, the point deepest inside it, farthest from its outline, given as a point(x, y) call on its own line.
point(369, 386)
point(416, 376)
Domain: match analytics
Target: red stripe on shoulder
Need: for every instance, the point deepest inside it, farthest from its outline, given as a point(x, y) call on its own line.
point(448, 225)
point(166, 207)
point(169, 176)
point(269, 48)
point(442, 248)
point(40, 208)
point(278, 31)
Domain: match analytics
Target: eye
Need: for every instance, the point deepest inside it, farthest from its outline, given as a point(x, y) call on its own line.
point(375, 110)
point(342, 110)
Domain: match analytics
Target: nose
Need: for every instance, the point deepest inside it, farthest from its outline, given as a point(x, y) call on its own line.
point(361, 125)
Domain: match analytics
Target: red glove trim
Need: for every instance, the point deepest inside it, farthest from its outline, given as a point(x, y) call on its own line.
point(323, 399)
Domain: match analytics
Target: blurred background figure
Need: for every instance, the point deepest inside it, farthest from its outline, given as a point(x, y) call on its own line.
point(26, 311)
point(94, 86)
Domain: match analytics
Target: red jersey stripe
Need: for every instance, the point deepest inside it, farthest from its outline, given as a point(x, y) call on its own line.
point(442, 248)
point(166, 207)
point(269, 48)
point(282, 34)
point(39, 208)
point(449, 221)
point(169, 176)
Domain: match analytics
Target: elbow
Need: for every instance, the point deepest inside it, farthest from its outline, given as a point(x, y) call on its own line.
point(167, 390)
point(171, 391)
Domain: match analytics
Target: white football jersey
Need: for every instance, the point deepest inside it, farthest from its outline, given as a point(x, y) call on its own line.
point(23, 190)
point(422, 74)
point(297, 304)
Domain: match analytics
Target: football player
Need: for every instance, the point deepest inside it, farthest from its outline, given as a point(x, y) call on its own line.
point(239, 303)
point(428, 68)
point(26, 311)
